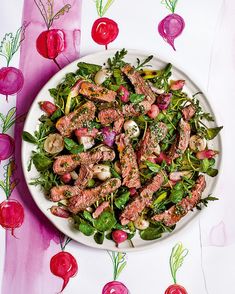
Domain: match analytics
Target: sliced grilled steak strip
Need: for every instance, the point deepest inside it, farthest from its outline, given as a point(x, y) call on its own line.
point(171, 216)
point(134, 208)
point(128, 161)
point(68, 123)
point(67, 163)
point(86, 198)
point(97, 93)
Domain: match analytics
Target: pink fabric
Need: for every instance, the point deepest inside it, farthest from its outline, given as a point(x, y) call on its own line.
point(27, 260)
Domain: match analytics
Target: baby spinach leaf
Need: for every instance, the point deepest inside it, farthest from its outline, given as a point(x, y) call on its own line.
point(151, 233)
point(72, 146)
point(41, 161)
point(212, 132)
point(99, 237)
point(205, 164)
point(86, 229)
point(153, 166)
point(27, 137)
point(105, 221)
point(176, 196)
point(136, 98)
point(88, 68)
point(212, 172)
point(122, 200)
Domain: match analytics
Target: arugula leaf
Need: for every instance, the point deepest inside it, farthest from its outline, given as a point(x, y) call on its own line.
point(117, 60)
point(139, 65)
point(212, 132)
point(27, 137)
point(72, 146)
point(136, 98)
point(205, 201)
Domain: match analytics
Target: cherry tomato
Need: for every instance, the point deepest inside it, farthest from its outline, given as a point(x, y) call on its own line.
point(48, 107)
point(64, 265)
point(11, 214)
point(175, 289)
point(115, 287)
point(51, 43)
point(104, 31)
point(119, 236)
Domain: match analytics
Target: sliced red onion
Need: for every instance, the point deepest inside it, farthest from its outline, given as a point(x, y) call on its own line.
point(164, 100)
point(109, 136)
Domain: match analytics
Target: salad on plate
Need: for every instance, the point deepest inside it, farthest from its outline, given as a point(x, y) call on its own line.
point(123, 150)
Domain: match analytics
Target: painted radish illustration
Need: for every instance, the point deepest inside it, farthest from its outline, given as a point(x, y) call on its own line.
point(104, 30)
point(7, 143)
point(63, 264)
point(178, 254)
point(11, 211)
point(11, 78)
point(172, 25)
point(115, 287)
point(51, 43)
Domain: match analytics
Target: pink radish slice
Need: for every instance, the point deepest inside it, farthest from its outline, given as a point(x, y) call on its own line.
point(7, 146)
point(171, 27)
point(115, 287)
point(11, 215)
point(64, 265)
point(11, 80)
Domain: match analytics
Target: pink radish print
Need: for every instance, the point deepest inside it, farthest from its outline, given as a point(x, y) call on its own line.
point(11, 78)
point(63, 264)
point(7, 143)
point(104, 30)
point(51, 43)
point(115, 287)
point(11, 211)
point(172, 25)
point(178, 254)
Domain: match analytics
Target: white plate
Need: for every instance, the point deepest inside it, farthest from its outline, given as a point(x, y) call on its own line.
point(32, 123)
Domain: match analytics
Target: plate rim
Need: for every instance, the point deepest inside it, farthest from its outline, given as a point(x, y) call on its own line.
point(110, 52)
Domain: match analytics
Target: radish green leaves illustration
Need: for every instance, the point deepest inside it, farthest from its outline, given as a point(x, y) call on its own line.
point(115, 287)
point(11, 78)
point(178, 254)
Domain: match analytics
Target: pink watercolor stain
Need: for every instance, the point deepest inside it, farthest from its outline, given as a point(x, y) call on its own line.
point(27, 258)
point(217, 236)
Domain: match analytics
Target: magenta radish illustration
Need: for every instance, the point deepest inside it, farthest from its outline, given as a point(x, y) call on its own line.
point(178, 254)
point(104, 30)
point(172, 25)
point(119, 262)
point(11, 211)
point(11, 78)
point(63, 264)
point(51, 42)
